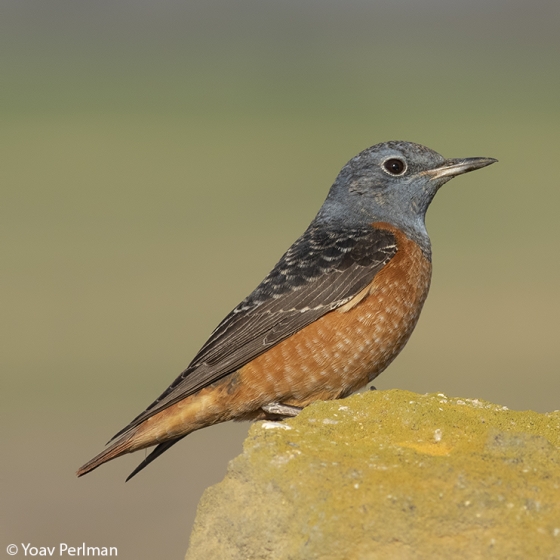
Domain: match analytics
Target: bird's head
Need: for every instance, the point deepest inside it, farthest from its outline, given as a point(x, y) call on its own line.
point(392, 182)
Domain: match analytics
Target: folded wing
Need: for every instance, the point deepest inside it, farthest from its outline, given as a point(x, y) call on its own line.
point(321, 271)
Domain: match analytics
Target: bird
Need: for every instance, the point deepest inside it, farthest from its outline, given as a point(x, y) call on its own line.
point(331, 315)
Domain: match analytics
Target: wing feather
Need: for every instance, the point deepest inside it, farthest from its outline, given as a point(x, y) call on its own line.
point(323, 270)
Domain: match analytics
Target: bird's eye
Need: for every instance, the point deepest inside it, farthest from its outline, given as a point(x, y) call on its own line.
point(394, 166)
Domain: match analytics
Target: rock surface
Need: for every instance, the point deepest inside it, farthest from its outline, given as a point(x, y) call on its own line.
point(389, 475)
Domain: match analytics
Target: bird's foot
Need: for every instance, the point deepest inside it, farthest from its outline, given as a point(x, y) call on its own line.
point(283, 410)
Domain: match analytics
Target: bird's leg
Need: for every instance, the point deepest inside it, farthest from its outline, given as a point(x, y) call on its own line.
point(279, 409)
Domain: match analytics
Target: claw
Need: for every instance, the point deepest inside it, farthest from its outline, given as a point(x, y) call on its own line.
point(279, 409)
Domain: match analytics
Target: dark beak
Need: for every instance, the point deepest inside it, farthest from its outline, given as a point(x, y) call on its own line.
point(453, 167)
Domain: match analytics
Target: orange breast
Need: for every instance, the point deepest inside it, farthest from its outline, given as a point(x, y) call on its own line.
point(331, 358)
point(343, 350)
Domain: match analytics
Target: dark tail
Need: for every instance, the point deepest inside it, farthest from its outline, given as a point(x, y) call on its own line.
point(154, 454)
point(121, 447)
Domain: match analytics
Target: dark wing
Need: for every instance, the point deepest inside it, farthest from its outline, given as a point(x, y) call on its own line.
point(321, 271)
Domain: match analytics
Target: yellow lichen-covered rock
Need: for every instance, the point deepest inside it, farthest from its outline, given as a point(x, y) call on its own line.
point(389, 475)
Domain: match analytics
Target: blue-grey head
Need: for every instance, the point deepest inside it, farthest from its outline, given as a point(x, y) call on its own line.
point(393, 182)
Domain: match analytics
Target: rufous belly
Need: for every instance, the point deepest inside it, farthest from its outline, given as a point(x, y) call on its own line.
point(330, 358)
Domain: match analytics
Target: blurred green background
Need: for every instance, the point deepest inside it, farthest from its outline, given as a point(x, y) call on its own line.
point(157, 158)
